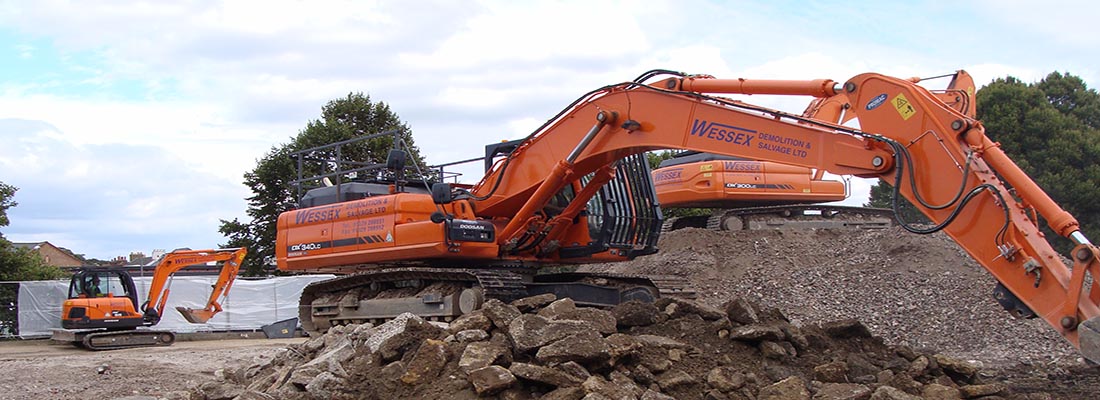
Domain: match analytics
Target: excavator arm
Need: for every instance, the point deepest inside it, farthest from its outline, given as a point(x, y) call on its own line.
point(177, 260)
point(936, 155)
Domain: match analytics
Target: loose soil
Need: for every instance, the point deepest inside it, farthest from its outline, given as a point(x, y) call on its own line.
point(37, 369)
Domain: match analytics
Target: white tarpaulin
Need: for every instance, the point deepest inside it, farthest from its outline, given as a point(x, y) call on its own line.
point(250, 305)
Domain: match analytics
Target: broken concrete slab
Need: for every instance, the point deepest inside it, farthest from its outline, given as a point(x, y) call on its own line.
point(546, 375)
point(531, 303)
point(479, 355)
point(500, 313)
point(584, 347)
point(491, 380)
point(530, 332)
point(427, 363)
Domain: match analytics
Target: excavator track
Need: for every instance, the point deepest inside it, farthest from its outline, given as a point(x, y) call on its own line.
point(666, 285)
point(114, 340)
point(476, 286)
point(442, 294)
point(797, 216)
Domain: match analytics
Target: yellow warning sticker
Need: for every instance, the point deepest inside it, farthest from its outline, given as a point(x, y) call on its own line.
point(904, 107)
point(706, 167)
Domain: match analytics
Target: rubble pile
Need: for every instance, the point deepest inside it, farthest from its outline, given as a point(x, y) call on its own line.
point(543, 347)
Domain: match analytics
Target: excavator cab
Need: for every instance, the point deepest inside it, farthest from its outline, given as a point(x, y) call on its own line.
point(101, 298)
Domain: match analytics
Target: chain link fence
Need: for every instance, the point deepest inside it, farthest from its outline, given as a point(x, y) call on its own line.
point(9, 310)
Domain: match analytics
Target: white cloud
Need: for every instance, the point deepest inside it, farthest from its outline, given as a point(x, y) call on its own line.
point(103, 200)
point(218, 84)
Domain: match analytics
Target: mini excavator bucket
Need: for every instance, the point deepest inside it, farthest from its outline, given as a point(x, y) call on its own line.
point(196, 316)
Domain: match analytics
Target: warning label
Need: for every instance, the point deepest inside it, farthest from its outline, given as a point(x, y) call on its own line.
point(904, 107)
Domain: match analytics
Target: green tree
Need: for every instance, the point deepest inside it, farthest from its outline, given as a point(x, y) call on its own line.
point(18, 264)
point(7, 200)
point(882, 195)
point(271, 181)
point(1052, 130)
point(654, 158)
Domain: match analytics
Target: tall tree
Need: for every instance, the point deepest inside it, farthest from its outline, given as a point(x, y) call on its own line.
point(7, 200)
point(271, 181)
point(1052, 129)
point(882, 196)
point(18, 264)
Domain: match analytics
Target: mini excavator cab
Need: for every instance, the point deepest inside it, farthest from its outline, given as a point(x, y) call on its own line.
point(101, 298)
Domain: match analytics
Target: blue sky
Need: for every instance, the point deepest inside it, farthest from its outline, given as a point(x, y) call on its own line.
point(127, 126)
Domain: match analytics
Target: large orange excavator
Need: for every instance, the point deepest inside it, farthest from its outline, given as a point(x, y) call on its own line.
point(751, 194)
point(102, 311)
point(578, 190)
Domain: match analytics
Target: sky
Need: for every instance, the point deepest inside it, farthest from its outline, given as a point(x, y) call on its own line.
point(128, 125)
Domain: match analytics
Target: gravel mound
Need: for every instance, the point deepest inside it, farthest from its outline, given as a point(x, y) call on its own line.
point(921, 291)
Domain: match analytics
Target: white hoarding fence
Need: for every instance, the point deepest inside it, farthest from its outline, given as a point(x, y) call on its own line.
point(250, 305)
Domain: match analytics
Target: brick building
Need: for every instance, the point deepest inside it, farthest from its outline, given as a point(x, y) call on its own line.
point(53, 255)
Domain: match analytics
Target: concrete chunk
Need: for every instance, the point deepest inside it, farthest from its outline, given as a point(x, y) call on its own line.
point(585, 347)
point(491, 380)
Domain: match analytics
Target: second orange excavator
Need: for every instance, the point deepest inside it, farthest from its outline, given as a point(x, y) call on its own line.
point(102, 312)
point(751, 194)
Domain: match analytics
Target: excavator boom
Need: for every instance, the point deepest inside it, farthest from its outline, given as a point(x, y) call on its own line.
point(177, 260)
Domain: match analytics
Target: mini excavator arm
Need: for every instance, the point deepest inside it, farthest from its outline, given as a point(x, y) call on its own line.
point(177, 260)
point(937, 156)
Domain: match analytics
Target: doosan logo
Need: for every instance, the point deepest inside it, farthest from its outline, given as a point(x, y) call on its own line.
point(875, 102)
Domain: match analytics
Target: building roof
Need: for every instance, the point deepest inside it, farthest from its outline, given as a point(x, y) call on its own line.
point(28, 245)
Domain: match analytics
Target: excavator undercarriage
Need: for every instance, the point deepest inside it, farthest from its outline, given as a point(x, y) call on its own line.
point(797, 216)
point(443, 294)
point(113, 340)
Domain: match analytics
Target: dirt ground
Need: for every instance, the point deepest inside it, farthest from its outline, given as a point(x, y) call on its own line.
point(38, 369)
point(917, 291)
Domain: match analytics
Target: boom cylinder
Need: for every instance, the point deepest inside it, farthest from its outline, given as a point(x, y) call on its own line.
point(815, 88)
point(1059, 220)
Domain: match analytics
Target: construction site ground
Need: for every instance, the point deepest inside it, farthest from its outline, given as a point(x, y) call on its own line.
point(919, 291)
point(39, 369)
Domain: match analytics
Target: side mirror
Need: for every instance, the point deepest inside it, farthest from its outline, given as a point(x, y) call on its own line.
point(395, 161)
point(441, 193)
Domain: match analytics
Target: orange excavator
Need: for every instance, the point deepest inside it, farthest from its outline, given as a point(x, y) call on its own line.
point(102, 311)
point(751, 194)
point(578, 190)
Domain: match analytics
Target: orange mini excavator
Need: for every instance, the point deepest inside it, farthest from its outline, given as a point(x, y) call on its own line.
point(102, 311)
